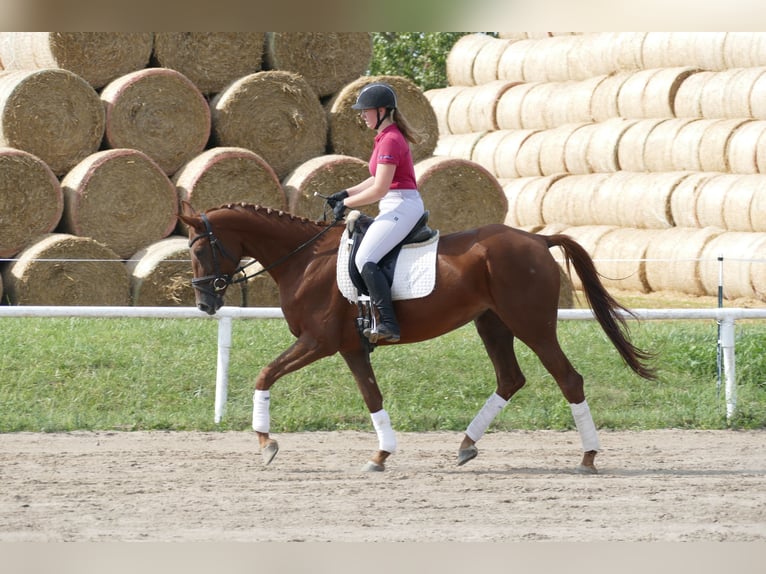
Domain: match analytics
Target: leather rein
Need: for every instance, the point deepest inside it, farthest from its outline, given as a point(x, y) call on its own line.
point(220, 281)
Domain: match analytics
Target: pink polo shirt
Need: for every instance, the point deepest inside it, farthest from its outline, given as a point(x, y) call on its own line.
point(391, 147)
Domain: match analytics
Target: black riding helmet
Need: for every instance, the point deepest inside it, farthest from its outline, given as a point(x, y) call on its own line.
point(374, 96)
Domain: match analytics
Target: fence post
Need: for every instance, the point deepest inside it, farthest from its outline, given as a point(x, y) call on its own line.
point(729, 367)
point(222, 371)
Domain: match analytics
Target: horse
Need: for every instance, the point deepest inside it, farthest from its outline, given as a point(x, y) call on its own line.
point(503, 279)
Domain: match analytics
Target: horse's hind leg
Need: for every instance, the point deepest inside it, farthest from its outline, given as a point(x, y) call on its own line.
point(498, 341)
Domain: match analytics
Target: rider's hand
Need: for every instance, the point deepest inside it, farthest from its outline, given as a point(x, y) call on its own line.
point(337, 198)
point(339, 209)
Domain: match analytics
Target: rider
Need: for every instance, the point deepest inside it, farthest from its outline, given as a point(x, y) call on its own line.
point(392, 183)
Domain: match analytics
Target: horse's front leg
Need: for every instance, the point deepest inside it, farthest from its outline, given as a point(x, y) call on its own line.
point(301, 353)
point(361, 368)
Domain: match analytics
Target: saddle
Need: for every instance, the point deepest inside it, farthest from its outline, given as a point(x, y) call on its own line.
point(357, 224)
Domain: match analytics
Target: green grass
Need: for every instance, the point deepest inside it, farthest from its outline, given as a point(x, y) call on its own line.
point(130, 374)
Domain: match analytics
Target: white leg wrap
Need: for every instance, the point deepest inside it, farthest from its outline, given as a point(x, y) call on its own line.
point(261, 418)
point(479, 425)
point(386, 435)
point(584, 422)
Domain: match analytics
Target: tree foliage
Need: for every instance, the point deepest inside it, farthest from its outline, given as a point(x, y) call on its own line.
point(419, 56)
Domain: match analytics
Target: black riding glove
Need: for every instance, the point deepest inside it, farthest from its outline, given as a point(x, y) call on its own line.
point(339, 209)
point(337, 198)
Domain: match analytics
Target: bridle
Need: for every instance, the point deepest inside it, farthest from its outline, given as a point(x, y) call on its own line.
point(218, 282)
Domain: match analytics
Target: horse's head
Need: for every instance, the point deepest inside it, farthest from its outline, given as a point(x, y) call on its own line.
point(213, 262)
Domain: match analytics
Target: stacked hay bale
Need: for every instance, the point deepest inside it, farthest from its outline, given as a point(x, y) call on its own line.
point(655, 137)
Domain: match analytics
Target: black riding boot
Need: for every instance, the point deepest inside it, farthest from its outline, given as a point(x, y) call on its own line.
point(380, 295)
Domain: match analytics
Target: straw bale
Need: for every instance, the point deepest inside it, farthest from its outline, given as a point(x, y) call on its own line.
point(604, 144)
point(325, 175)
point(510, 67)
point(211, 60)
point(744, 49)
point(683, 200)
point(570, 102)
point(714, 144)
point(31, 200)
point(640, 200)
point(688, 100)
point(746, 150)
point(626, 50)
point(576, 150)
point(655, 51)
point(588, 236)
point(528, 156)
point(485, 64)
point(547, 60)
point(459, 145)
point(460, 194)
point(222, 175)
point(525, 196)
point(709, 50)
point(120, 198)
point(758, 203)
point(326, 60)
point(632, 94)
point(572, 200)
point(632, 145)
point(593, 56)
point(620, 257)
point(96, 57)
point(275, 114)
point(534, 106)
point(459, 118)
point(711, 199)
point(758, 97)
point(685, 150)
point(161, 273)
point(605, 96)
point(485, 150)
point(739, 91)
point(733, 202)
point(441, 100)
point(507, 151)
point(53, 114)
point(482, 111)
point(660, 92)
point(62, 269)
point(508, 110)
point(739, 249)
point(552, 153)
point(715, 92)
point(349, 136)
point(157, 111)
point(461, 58)
point(672, 259)
point(658, 150)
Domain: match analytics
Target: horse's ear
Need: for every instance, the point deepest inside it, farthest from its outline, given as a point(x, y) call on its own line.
point(188, 214)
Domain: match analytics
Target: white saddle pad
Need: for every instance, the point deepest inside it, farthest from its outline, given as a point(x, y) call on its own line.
point(414, 276)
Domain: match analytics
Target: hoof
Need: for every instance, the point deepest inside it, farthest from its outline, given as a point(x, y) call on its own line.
point(373, 467)
point(466, 454)
point(269, 452)
point(583, 469)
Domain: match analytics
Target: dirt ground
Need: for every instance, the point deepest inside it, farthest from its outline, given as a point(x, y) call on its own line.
point(668, 485)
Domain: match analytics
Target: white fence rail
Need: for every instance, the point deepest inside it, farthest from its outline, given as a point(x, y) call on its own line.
point(726, 317)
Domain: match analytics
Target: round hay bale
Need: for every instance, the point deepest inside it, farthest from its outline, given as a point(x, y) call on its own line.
point(672, 259)
point(507, 151)
point(741, 252)
point(161, 274)
point(588, 236)
point(571, 200)
point(552, 153)
point(461, 58)
point(211, 60)
point(482, 111)
point(62, 269)
point(274, 114)
point(746, 149)
point(638, 200)
point(632, 95)
point(485, 150)
point(591, 57)
point(740, 49)
point(712, 101)
point(441, 100)
point(688, 100)
point(326, 60)
point(31, 200)
point(510, 66)
point(711, 197)
point(620, 258)
point(534, 106)
point(655, 51)
point(485, 64)
point(756, 182)
point(626, 50)
point(460, 194)
point(709, 50)
point(324, 175)
point(508, 110)
point(525, 196)
point(570, 102)
point(603, 104)
point(658, 150)
point(458, 145)
point(349, 136)
point(660, 92)
point(715, 143)
point(528, 156)
point(683, 200)
point(96, 57)
point(120, 198)
point(545, 61)
point(576, 150)
point(31, 118)
point(157, 111)
point(604, 144)
point(758, 97)
point(630, 149)
point(685, 150)
point(738, 92)
point(223, 175)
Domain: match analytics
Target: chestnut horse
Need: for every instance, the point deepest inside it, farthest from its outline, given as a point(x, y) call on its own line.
point(503, 279)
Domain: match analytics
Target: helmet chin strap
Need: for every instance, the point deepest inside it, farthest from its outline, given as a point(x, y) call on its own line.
point(381, 119)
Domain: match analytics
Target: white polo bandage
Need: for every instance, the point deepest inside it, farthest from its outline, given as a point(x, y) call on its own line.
point(386, 435)
point(479, 425)
point(584, 422)
point(261, 418)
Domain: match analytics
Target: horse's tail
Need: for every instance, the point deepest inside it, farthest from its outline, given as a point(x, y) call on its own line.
point(605, 307)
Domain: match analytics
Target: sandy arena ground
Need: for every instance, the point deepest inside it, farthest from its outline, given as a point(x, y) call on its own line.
point(666, 485)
